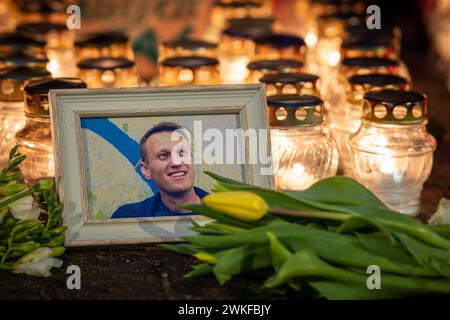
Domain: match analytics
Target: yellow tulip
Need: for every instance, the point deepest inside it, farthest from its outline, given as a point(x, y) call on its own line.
point(205, 257)
point(242, 205)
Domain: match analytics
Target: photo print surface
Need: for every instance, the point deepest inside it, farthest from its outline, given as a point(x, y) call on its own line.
point(116, 185)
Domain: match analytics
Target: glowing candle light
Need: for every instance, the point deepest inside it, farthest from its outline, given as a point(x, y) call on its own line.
point(103, 44)
point(280, 46)
point(302, 151)
point(393, 152)
point(12, 117)
point(35, 139)
point(187, 47)
point(345, 117)
point(291, 83)
point(259, 68)
point(108, 72)
point(189, 70)
point(59, 47)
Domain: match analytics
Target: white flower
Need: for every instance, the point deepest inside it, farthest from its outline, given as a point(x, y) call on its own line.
point(442, 215)
point(37, 263)
point(23, 209)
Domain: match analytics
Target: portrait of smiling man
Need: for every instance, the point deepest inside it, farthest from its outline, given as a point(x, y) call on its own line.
point(166, 158)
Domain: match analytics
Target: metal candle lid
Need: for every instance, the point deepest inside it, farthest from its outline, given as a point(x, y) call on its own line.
point(291, 110)
point(333, 25)
point(23, 59)
point(297, 80)
point(105, 63)
point(281, 40)
point(43, 11)
point(237, 4)
point(337, 6)
point(106, 71)
point(262, 23)
point(360, 84)
point(395, 107)
point(12, 80)
point(36, 94)
point(365, 65)
point(190, 62)
point(101, 39)
point(11, 42)
point(54, 34)
point(191, 44)
point(251, 32)
point(375, 46)
point(275, 65)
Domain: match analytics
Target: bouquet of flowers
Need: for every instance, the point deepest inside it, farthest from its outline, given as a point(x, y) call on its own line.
point(326, 241)
point(30, 233)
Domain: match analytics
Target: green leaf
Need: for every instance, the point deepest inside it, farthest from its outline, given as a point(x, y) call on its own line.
point(45, 184)
point(340, 190)
point(442, 229)
point(12, 188)
point(334, 290)
point(306, 263)
point(13, 151)
point(428, 256)
point(210, 213)
point(278, 252)
point(181, 248)
point(239, 260)
point(199, 270)
point(380, 244)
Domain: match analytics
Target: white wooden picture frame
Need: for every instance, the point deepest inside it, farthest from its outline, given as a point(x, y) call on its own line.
point(68, 107)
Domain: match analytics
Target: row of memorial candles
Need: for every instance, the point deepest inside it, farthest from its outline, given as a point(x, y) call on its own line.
point(388, 151)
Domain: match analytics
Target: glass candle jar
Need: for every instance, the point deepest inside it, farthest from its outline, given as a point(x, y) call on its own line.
point(259, 68)
point(302, 151)
point(14, 42)
point(103, 44)
point(22, 59)
point(345, 118)
point(226, 10)
point(108, 72)
point(11, 104)
point(59, 47)
point(280, 46)
point(187, 47)
point(334, 90)
point(35, 139)
point(375, 46)
point(237, 49)
point(8, 15)
point(42, 11)
point(327, 7)
point(360, 31)
point(393, 152)
point(191, 70)
point(325, 56)
point(291, 83)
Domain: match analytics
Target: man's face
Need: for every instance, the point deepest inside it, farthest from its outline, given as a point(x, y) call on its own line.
point(169, 162)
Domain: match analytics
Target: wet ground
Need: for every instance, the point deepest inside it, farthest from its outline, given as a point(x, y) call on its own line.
point(155, 273)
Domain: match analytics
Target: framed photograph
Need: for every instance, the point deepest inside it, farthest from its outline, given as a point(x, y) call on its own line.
point(126, 159)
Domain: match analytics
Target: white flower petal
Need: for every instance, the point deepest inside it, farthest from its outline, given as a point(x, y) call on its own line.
point(37, 263)
point(22, 209)
point(442, 215)
point(39, 268)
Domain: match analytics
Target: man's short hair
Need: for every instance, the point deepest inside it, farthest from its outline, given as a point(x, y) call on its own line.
point(160, 127)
